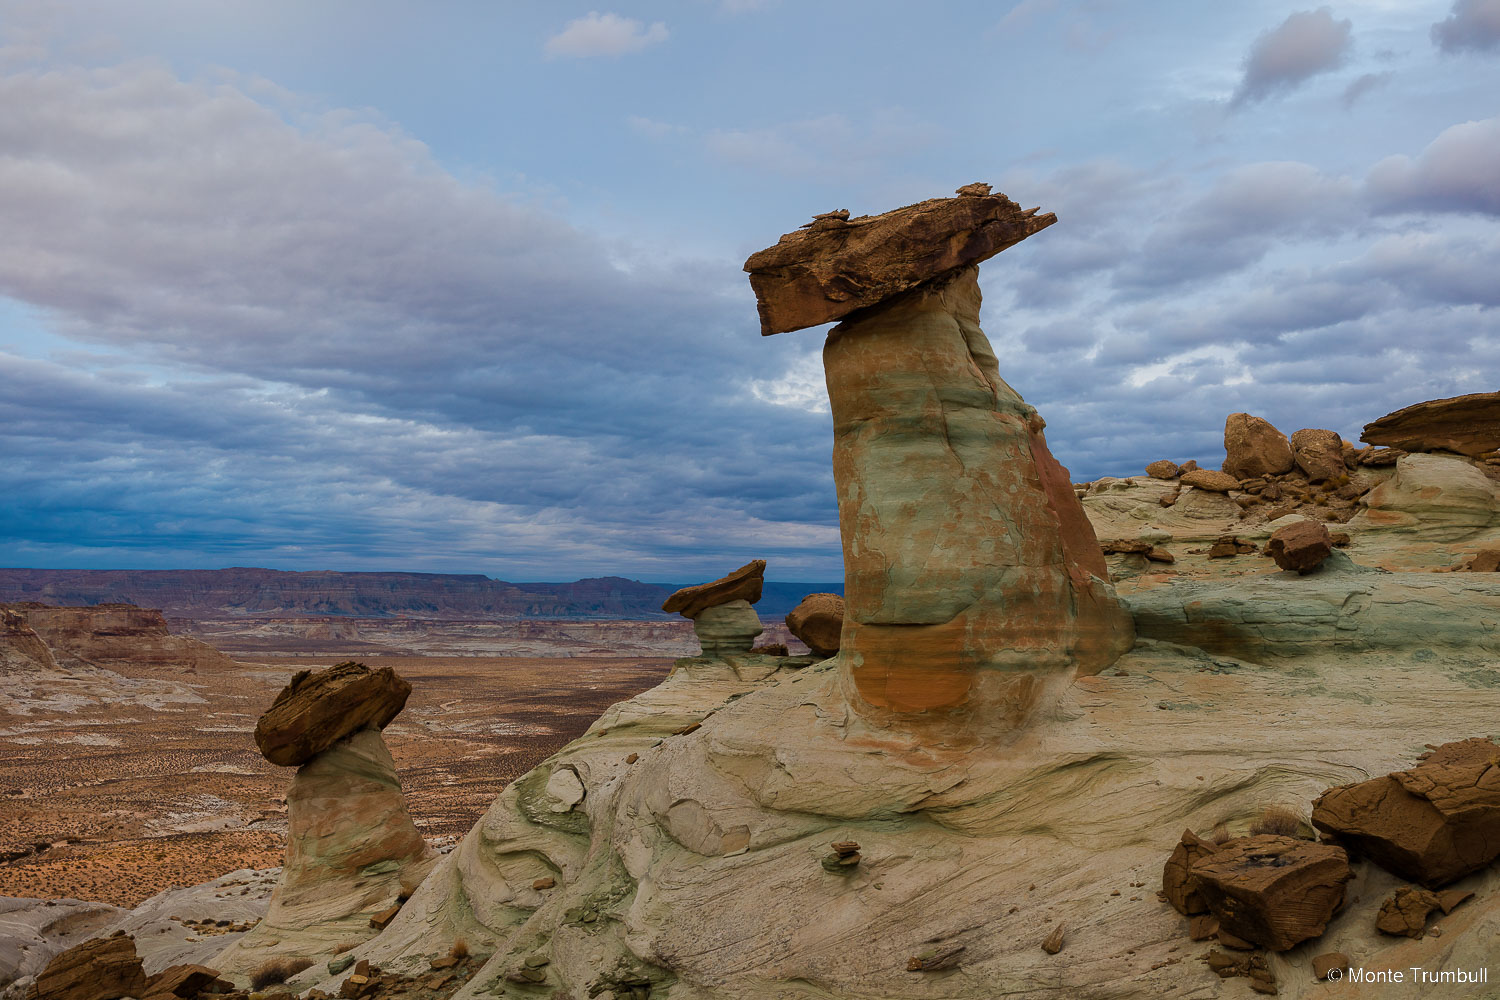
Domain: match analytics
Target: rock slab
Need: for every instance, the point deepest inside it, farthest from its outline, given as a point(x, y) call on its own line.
point(1272, 891)
point(830, 269)
point(1432, 824)
point(317, 710)
point(98, 969)
point(1468, 425)
point(744, 584)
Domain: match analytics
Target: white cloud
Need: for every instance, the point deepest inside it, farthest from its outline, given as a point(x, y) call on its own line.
point(1458, 172)
point(597, 34)
point(1362, 85)
point(1473, 24)
point(1305, 44)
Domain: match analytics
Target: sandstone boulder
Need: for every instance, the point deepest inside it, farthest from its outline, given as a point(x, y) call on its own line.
point(830, 269)
point(98, 969)
point(1163, 469)
point(1301, 546)
point(1175, 882)
point(1272, 891)
point(317, 710)
point(1208, 479)
point(744, 584)
point(1432, 824)
point(818, 621)
point(1253, 447)
point(1468, 425)
point(1319, 454)
point(1405, 912)
point(1483, 561)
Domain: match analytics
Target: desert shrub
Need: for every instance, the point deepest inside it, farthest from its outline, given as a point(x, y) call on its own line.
point(460, 949)
point(277, 970)
point(1280, 820)
point(1220, 833)
point(344, 946)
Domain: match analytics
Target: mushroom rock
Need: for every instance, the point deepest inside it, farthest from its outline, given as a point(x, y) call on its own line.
point(352, 848)
point(973, 579)
point(744, 584)
point(316, 710)
point(1469, 425)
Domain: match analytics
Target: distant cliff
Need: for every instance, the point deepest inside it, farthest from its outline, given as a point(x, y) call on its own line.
point(223, 593)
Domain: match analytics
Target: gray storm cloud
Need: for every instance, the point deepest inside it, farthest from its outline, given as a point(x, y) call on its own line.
point(1305, 44)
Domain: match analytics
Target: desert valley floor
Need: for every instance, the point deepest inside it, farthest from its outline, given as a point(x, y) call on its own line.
point(115, 802)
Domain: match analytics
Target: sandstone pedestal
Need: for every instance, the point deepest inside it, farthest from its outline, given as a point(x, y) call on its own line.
point(973, 580)
point(969, 564)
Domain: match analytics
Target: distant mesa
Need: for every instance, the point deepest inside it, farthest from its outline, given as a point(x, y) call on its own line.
point(317, 710)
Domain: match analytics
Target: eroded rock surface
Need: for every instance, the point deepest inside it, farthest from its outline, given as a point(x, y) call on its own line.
point(1319, 454)
point(318, 709)
point(1468, 425)
point(1433, 823)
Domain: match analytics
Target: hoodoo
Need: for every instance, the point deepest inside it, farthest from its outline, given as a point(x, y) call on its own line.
point(972, 576)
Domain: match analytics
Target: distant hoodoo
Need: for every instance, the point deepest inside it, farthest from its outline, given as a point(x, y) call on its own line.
point(972, 577)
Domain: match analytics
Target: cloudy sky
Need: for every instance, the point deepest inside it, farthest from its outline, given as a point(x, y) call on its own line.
point(456, 286)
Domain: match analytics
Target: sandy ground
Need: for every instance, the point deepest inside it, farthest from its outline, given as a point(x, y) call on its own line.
point(115, 802)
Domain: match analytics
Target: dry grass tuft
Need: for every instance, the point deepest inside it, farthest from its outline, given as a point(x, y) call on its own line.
point(344, 946)
point(277, 970)
point(1279, 820)
point(409, 885)
point(460, 949)
point(1220, 834)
